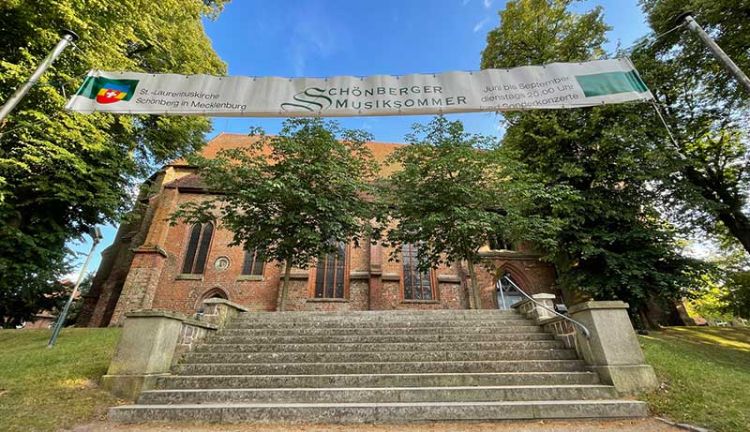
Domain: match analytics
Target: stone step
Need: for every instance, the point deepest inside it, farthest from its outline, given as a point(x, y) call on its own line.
point(378, 367)
point(377, 347)
point(382, 356)
point(462, 330)
point(377, 412)
point(415, 325)
point(370, 315)
point(401, 323)
point(375, 380)
point(380, 338)
point(378, 394)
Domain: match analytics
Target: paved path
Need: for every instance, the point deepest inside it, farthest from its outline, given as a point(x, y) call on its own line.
point(642, 425)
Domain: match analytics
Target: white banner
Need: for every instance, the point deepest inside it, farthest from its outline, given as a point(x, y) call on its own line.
point(556, 85)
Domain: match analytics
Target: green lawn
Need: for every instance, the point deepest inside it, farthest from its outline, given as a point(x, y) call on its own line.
point(705, 371)
point(705, 374)
point(47, 389)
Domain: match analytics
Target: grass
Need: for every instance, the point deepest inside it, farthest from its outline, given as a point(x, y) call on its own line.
point(45, 389)
point(705, 375)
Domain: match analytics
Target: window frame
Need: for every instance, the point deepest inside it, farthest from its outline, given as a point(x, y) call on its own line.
point(431, 275)
point(500, 240)
point(253, 264)
point(504, 296)
point(313, 275)
point(196, 254)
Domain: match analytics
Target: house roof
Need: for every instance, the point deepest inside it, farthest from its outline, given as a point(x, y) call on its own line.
point(226, 141)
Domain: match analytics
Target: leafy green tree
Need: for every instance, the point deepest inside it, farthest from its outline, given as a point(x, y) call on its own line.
point(725, 291)
point(612, 243)
point(61, 172)
point(536, 32)
point(443, 196)
point(292, 197)
point(706, 110)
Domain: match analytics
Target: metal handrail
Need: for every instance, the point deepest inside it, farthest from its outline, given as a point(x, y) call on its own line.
point(586, 331)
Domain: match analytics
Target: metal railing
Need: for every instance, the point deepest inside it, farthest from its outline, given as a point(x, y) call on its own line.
point(583, 328)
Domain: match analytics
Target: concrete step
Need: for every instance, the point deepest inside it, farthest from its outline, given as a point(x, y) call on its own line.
point(378, 394)
point(377, 347)
point(380, 356)
point(376, 380)
point(378, 367)
point(378, 338)
point(377, 412)
point(374, 315)
point(401, 323)
point(462, 330)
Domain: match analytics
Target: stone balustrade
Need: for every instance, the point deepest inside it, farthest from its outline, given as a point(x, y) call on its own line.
point(612, 349)
point(153, 341)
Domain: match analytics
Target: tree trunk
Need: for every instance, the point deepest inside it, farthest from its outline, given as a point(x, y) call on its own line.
point(285, 285)
point(729, 210)
point(474, 289)
point(466, 285)
point(738, 225)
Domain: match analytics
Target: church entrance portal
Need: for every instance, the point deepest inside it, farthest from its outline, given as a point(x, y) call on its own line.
point(507, 294)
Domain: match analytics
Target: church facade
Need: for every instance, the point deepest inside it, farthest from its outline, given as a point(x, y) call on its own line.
point(152, 265)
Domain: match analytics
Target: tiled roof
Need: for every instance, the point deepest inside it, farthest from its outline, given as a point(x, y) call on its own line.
point(190, 181)
point(224, 141)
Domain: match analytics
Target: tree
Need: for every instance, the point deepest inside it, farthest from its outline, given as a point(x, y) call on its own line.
point(612, 243)
point(292, 197)
point(706, 110)
point(62, 172)
point(443, 197)
point(726, 291)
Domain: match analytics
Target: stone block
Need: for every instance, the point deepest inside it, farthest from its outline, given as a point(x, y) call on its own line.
point(546, 300)
point(151, 342)
point(218, 311)
point(129, 386)
point(613, 349)
point(145, 350)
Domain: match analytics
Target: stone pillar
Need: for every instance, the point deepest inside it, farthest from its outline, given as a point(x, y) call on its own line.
point(376, 270)
point(144, 353)
point(548, 301)
point(218, 311)
point(140, 286)
point(153, 341)
point(613, 350)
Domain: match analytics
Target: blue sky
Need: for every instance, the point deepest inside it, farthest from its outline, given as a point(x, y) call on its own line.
point(320, 38)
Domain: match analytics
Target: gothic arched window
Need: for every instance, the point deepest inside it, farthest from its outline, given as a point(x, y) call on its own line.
point(199, 243)
point(253, 263)
point(417, 284)
point(330, 274)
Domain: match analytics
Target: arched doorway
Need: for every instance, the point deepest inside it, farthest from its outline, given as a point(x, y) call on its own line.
point(212, 293)
point(507, 294)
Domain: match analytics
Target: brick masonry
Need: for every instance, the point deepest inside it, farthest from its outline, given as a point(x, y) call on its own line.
point(141, 270)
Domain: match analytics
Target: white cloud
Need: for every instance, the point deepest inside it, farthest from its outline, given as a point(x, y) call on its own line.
point(478, 26)
point(314, 36)
point(488, 3)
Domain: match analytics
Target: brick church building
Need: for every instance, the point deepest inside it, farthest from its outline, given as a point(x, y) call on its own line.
point(152, 265)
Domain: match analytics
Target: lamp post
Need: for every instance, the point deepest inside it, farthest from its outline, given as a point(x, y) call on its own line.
point(96, 235)
point(68, 36)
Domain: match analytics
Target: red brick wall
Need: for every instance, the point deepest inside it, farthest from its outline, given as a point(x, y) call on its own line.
point(150, 277)
point(374, 279)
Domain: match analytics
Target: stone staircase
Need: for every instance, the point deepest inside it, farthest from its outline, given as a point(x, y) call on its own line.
point(377, 367)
